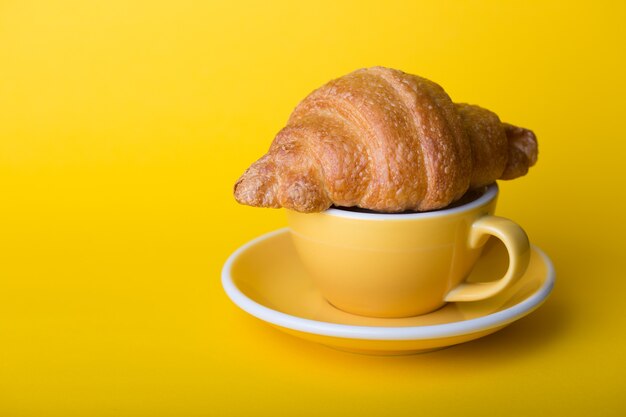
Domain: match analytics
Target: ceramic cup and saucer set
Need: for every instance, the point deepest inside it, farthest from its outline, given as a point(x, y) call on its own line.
point(392, 284)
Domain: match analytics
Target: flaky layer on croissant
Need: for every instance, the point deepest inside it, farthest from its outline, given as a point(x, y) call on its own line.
point(387, 141)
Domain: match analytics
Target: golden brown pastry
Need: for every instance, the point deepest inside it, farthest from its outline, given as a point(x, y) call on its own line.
point(387, 141)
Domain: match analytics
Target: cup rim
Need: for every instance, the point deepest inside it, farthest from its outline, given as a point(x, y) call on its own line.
point(490, 193)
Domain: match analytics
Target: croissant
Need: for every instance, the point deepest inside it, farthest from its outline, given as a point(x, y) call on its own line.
point(387, 141)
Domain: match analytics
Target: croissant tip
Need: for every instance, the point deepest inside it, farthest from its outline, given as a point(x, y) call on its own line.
point(255, 190)
point(523, 151)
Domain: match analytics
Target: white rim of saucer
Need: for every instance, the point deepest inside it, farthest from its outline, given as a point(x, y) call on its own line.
point(288, 321)
point(491, 192)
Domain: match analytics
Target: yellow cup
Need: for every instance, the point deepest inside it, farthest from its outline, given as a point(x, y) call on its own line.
point(402, 265)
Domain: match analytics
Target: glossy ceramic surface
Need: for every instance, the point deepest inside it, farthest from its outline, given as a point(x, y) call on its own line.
point(403, 265)
point(266, 279)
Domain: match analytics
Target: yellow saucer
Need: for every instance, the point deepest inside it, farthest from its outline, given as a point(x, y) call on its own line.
point(265, 278)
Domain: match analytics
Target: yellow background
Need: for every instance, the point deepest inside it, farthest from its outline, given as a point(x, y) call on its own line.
point(124, 124)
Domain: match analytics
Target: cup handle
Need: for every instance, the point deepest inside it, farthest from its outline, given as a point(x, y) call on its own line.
point(517, 245)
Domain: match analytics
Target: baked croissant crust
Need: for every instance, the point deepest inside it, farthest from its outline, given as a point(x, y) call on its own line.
point(387, 141)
